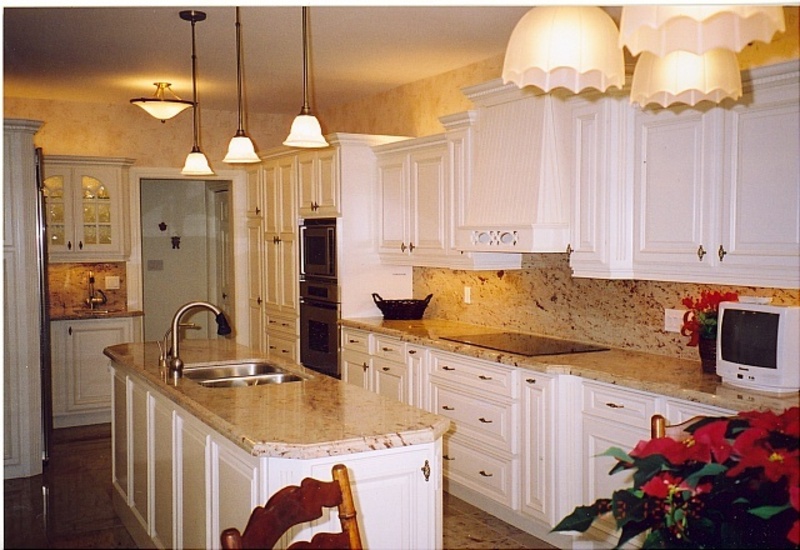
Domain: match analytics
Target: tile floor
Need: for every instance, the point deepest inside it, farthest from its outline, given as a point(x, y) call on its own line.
point(75, 509)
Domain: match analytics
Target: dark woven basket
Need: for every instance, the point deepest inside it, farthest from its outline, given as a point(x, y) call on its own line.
point(401, 309)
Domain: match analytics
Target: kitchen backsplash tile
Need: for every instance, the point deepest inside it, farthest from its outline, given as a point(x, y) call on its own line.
point(69, 285)
point(544, 298)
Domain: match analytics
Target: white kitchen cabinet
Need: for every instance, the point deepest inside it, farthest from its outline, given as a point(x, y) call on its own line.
point(283, 337)
point(86, 208)
point(255, 188)
point(377, 363)
point(414, 199)
point(601, 224)
point(318, 184)
point(280, 235)
point(81, 383)
point(183, 494)
point(481, 450)
point(538, 453)
point(717, 188)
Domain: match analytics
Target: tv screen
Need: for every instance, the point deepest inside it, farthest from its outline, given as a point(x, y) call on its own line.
point(750, 338)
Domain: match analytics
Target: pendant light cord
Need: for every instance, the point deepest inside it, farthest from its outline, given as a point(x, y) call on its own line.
point(195, 147)
point(240, 129)
point(305, 110)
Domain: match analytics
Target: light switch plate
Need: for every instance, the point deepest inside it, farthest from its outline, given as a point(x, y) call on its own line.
point(673, 319)
point(112, 282)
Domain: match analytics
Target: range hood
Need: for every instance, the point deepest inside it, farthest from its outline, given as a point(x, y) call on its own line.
point(519, 198)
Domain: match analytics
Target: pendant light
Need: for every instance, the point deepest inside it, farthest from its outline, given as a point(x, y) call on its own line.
point(574, 47)
point(697, 29)
point(196, 161)
point(306, 131)
point(240, 149)
point(159, 105)
point(685, 77)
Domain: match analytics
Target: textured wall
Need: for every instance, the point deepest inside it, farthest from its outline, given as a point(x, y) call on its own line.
point(544, 298)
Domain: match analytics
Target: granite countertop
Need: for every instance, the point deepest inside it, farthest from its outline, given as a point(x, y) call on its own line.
point(672, 377)
point(62, 314)
point(318, 417)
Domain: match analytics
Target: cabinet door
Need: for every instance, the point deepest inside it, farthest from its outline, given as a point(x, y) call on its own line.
point(677, 169)
point(284, 346)
point(356, 368)
point(59, 208)
point(538, 446)
point(119, 433)
point(235, 486)
point(255, 193)
point(391, 379)
point(318, 184)
point(428, 191)
point(761, 218)
point(193, 483)
point(139, 454)
point(394, 205)
point(163, 472)
point(255, 283)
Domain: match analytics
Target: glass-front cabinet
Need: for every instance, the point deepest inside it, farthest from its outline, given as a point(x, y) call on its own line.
point(84, 205)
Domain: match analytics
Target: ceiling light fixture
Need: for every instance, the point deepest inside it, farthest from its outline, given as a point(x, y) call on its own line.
point(161, 107)
point(574, 47)
point(196, 161)
point(685, 77)
point(240, 149)
point(697, 29)
point(306, 131)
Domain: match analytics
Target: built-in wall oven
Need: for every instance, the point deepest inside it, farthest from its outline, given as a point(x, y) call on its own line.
point(319, 297)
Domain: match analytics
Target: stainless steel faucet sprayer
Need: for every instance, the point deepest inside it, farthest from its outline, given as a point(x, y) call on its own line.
point(172, 356)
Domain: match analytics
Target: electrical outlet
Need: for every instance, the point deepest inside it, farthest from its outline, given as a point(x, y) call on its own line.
point(673, 319)
point(467, 295)
point(112, 282)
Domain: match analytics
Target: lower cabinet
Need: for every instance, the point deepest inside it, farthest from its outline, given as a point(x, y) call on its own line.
point(177, 483)
point(80, 378)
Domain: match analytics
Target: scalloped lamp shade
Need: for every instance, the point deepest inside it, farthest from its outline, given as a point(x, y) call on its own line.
point(196, 165)
point(305, 132)
point(572, 47)
point(241, 151)
point(683, 77)
point(664, 29)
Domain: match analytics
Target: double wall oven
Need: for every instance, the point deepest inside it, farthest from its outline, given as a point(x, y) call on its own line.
point(319, 297)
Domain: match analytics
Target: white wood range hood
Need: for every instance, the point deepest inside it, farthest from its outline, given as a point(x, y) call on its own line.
point(519, 195)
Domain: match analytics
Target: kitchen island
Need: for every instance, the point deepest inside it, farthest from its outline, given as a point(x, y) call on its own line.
point(190, 461)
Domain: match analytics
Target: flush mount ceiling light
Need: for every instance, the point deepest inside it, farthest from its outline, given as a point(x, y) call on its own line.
point(196, 161)
point(240, 149)
point(159, 105)
point(697, 29)
point(306, 131)
point(685, 77)
point(574, 47)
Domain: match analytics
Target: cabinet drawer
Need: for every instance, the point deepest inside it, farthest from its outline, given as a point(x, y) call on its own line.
point(287, 325)
point(477, 418)
point(482, 375)
point(389, 348)
point(356, 340)
point(489, 474)
point(613, 403)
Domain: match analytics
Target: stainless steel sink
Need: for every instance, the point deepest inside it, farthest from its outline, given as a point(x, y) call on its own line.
point(238, 374)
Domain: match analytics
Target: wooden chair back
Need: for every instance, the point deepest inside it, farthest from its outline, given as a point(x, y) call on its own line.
point(294, 505)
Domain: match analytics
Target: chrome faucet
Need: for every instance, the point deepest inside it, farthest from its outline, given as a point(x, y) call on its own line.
point(93, 298)
point(172, 356)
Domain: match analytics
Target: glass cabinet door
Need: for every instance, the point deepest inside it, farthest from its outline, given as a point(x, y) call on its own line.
point(56, 212)
point(96, 203)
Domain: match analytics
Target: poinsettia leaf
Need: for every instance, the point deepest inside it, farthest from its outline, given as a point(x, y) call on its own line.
point(709, 469)
point(630, 530)
point(582, 517)
point(766, 512)
point(617, 453)
point(648, 467)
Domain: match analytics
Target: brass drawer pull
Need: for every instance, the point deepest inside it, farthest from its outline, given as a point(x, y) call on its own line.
point(445, 367)
point(614, 406)
point(484, 377)
point(447, 457)
point(448, 408)
point(701, 252)
point(482, 419)
point(386, 369)
point(530, 380)
point(484, 474)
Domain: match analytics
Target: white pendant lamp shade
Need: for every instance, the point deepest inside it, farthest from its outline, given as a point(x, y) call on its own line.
point(684, 77)
point(697, 29)
point(573, 47)
point(305, 132)
point(160, 106)
point(196, 164)
point(240, 149)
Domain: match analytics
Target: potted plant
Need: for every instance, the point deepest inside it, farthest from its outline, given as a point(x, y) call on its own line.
point(731, 483)
point(700, 324)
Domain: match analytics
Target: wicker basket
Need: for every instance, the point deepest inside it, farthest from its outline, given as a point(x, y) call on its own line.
point(401, 309)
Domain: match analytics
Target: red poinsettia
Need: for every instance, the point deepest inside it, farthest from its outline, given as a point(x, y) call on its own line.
point(701, 319)
point(732, 482)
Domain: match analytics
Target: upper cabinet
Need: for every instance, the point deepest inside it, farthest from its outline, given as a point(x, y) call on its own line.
point(318, 184)
point(717, 189)
point(86, 208)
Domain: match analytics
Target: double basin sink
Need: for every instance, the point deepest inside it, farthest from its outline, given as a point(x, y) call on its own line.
point(236, 374)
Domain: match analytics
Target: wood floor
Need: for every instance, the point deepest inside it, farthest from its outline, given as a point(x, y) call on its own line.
point(69, 505)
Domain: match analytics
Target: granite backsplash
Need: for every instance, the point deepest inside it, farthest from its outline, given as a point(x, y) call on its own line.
point(69, 285)
point(544, 298)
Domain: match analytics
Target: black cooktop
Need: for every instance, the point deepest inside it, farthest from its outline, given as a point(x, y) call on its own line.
point(524, 344)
